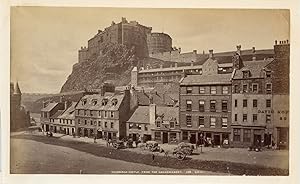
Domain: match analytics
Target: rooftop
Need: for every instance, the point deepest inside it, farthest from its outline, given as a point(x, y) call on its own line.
point(255, 68)
point(69, 112)
point(141, 114)
point(49, 107)
point(207, 79)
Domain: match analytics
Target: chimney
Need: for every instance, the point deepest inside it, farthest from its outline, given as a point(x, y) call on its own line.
point(253, 54)
point(61, 99)
point(160, 66)
point(192, 63)
point(211, 54)
point(175, 65)
point(238, 49)
point(44, 104)
point(152, 114)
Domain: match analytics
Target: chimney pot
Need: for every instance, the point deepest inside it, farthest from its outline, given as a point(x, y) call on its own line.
point(211, 53)
point(275, 42)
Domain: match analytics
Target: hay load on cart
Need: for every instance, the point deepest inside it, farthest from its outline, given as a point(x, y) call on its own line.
point(152, 146)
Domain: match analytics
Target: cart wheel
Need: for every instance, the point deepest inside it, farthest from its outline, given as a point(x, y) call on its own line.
point(115, 145)
point(180, 155)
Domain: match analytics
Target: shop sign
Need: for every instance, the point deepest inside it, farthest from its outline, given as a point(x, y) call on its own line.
point(272, 111)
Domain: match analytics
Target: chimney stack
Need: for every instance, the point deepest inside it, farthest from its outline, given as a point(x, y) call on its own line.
point(253, 54)
point(66, 105)
point(176, 65)
point(211, 54)
point(152, 114)
point(238, 49)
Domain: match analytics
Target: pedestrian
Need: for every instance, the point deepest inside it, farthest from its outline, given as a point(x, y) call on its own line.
point(153, 156)
point(95, 139)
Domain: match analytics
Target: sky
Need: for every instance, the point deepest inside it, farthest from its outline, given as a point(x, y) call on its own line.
point(45, 40)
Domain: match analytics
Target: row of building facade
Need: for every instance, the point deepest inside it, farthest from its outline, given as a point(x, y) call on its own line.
point(248, 103)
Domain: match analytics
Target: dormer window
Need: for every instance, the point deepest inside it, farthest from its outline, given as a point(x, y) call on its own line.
point(114, 102)
point(158, 124)
point(104, 102)
point(246, 74)
point(268, 74)
point(94, 102)
point(84, 101)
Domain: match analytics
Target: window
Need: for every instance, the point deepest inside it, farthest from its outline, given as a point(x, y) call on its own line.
point(78, 121)
point(139, 127)
point(85, 122)
point(184, 135)
point(213, 90)
point(111, 114)
point(201, 90)
point(235, 103)
point(112, 125)
point(268, 118)
point(201, 121)
point(212, 105)
point(189, 90)
point(235, 117)
point(224, 122)
point(255, 88)
point(158, 124)
point(100, 114)
point(105, 124)
point(212, 122)
point(188, 120)
point(236, 134)
point(269, 88)
point(157, 135)
point(254, 118)
point(91, 113)
point(99, 123)
point(91, 123)
point(244, 117)
point(247, 135)
point(254, 103)
point(268, 74)
point(201, 105)
point(236, 89)
point(172, 124)
point(224, 105)
point(268, 103)
point(105, 114)
point(85, 112)
point(245, 103)
point(225, 89)
point(188, 105)
point(146, 128)
point(60, 120)
point(245, 88)
point(94, 102)
point(130, 125)
point(246, 74)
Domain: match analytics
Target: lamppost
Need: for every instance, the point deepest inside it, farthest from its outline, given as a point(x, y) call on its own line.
point(201, 142)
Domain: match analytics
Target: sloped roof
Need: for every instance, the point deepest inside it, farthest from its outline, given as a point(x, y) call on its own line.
point(141, 114)
point(98, 106)
point(207, 79)
point(255, 68)
point(69, 112)
point(49, 107)
point(59, 112)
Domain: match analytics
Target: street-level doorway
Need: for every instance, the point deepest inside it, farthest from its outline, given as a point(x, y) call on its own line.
point(257, 140)
point(217, 140)
point(193, 138)
point(147, 137)
point(109, 135)
point(85, 132)
point(165, 137)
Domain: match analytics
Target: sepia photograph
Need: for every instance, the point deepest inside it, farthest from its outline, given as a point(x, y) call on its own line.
point(149, 91)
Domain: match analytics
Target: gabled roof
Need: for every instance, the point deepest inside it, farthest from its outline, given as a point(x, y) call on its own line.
point(255, 68)
point(207, 79)
point(49, 107)
point(141, 114)
point(109, 97)
point(69, 113)
point(58, 113)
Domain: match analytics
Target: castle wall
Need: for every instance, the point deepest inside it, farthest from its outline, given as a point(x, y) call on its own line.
point(159, 42)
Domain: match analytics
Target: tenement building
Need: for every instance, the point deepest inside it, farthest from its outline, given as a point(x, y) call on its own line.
point(103, 115)
point(154, 122)
point(205, 104)
point(260, 100)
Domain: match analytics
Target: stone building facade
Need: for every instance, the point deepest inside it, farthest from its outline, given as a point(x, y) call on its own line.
point(103, 115)
point(154, 123)
point(205, 104)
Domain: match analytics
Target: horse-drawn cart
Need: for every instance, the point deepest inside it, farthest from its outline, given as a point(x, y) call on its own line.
point(182, 150)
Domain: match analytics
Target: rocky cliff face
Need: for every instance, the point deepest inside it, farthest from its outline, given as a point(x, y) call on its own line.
point(114, 64)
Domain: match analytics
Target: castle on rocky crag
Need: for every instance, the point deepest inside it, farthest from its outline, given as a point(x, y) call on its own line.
point(134, 35)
